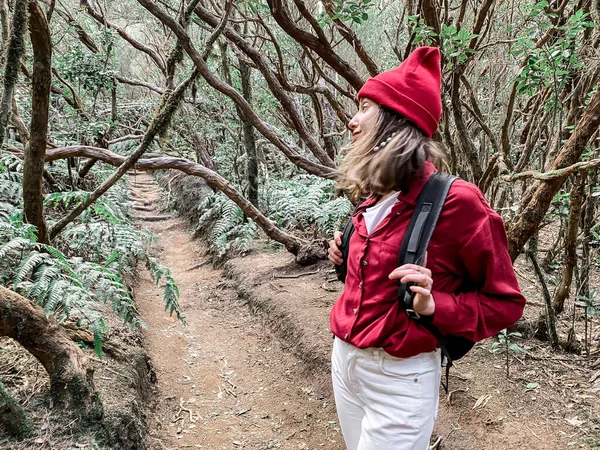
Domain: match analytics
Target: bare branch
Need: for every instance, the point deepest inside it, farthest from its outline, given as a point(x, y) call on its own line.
point(553, 174)
point(132, 82)
point(320, 47)
point(91, 10)
point(533, 213)
point(159, 124)
point(292, 243)
point(291, 153)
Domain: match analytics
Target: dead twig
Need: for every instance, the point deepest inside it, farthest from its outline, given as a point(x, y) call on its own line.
point(297, 275)
point(183, 408)
point(278, 289)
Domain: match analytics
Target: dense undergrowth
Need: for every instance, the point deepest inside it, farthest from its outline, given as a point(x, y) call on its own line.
point(90, 263)
point(305, 204)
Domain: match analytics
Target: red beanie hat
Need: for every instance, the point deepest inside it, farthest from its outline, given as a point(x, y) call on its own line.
point(411, 89)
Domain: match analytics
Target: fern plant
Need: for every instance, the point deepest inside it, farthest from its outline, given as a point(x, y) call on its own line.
point(11, 178)
point(224, 227)
point(87, 263)
point(67, 288)
point(307, 203)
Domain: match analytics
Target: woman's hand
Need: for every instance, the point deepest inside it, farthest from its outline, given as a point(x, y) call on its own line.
point(421, 276)
point(333, 253)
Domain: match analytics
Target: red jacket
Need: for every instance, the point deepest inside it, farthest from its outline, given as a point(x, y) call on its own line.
point(475, 289)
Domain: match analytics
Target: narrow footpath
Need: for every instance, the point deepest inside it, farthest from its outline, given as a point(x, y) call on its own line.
point(223, 381)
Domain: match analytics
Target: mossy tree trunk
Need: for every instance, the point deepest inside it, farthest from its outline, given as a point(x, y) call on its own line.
point(69, 369)
point(14, 53)
point(13, 417)
point(249, 137)
point(41, 80)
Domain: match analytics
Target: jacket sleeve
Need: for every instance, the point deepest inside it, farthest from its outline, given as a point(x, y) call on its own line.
point(495, 301)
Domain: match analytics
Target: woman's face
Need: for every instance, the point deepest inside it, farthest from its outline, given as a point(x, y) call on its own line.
point(365, 119)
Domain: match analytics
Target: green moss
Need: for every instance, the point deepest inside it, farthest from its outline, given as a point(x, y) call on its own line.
point(13, 417)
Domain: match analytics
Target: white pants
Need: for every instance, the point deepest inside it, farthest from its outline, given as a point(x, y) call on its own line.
point(384, 402)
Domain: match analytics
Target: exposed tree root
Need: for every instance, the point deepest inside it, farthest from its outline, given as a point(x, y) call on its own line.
point(69, 369)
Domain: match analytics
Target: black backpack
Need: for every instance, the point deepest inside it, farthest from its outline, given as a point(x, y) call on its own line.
point(412, 251)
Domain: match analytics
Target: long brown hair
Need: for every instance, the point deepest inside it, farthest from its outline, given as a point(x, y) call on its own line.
point(387, 157)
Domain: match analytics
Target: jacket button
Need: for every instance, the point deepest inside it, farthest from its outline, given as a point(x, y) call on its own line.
point(354, 311)
point(360, 284)
point(346, 336)
point(365, 263)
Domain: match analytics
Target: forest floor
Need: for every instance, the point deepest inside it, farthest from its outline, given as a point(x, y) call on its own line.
point(251, 367)
point(224, 382)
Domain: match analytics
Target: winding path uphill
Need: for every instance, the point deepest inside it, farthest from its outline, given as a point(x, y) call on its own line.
point(223, 381)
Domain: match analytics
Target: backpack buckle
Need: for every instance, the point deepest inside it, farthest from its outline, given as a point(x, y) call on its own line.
point(413, 314)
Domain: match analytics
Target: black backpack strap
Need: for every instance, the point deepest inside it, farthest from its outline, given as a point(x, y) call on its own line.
point(415, 242)
point(414, 246)
point(342, 269)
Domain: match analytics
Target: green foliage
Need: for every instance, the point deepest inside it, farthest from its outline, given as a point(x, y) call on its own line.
point(307, 202)
point(87, 263)
point(553, 64)
point(348, 11)
point(423, 33)
point(11, 178)
point(255, 6)
point(224, 226)
point(66, 287)
point(455, 44)
point(171, 291)
point(89, 70)
point(591, 303)
point(506, 340)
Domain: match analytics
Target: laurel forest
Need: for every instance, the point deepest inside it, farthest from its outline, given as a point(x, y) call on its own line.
point(250, 100)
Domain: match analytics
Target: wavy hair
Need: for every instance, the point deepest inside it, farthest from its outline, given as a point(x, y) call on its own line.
point(385, 158)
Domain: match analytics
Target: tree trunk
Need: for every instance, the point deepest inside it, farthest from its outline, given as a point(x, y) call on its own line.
point(19, 123)
point(33, 165)
point(69, 369)
point(533, 213)
point(15, 50)
point(547, 321)
point(13, 417)
point(249, 137)
point(202, 155)
point(463, 132)
point(4, 24)
point(588, 223)
point(247, 127)
point(562, 290)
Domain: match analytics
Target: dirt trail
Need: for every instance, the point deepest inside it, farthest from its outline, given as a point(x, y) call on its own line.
point(223, 382)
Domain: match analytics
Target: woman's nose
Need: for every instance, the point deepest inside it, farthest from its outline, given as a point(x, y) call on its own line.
point(353, 124)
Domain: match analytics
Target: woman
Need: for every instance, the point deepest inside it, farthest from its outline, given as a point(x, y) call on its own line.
point(385, 366)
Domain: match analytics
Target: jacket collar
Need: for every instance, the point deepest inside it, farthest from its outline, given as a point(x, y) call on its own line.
point(415, 185)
